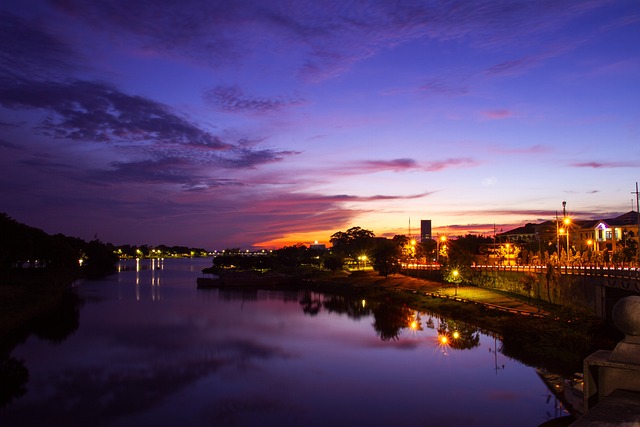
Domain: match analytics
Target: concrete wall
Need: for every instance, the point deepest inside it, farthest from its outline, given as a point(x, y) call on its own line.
point(595, 294)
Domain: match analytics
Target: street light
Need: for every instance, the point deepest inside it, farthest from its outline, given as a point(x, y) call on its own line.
point(363, 259)
point(567, 222)
point(440, 240)
point(455, 273)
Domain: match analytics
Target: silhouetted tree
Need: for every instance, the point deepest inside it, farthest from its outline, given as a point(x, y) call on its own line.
point(354, 242)
point(385, 257)
point(333, 262)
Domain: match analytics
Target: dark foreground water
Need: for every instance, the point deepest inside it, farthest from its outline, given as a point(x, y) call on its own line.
point(146, 348)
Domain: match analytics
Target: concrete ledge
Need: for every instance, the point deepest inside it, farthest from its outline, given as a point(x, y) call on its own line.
point(620, 408)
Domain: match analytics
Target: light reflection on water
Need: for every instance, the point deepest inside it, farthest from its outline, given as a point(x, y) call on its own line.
point(151, 349)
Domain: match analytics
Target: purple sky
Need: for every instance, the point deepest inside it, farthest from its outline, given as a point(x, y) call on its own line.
point(237, 123)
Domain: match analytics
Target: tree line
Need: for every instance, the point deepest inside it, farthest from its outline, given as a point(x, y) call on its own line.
point(358, 248)
point(27, 251)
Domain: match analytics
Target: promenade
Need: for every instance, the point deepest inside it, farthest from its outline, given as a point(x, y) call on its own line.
point(490, 298)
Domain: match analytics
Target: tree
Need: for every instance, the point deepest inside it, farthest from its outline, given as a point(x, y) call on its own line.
point(333, 262)
point(406, 245)
point(353, 242)
point(385, 257)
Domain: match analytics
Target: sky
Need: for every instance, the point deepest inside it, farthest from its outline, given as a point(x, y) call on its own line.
point(263, 124)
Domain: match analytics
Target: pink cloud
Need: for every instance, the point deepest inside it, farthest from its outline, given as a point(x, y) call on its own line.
point(400, 165)
point(498, 114)
point(598, 165)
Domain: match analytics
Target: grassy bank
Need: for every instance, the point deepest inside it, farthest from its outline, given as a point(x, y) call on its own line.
point(558, 341)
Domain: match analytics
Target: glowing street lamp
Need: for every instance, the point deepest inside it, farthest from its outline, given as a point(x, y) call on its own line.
point(441, 240)
point(567, 222)
point(455, 273)
point(362, 259)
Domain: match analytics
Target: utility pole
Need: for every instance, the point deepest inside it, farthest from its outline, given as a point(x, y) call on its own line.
point(566, 222)
point(637, 213)
point(557, 237)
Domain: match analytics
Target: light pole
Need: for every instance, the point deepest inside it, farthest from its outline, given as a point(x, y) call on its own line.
point(441, 239)
point(455, 273)
point(567, 222)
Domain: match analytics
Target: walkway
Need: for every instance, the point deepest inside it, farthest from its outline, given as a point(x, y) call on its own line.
point(487, 297)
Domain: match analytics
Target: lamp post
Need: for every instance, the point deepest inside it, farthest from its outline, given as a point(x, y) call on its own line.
point(440, 240)
point(567, 222)
point(455, 273)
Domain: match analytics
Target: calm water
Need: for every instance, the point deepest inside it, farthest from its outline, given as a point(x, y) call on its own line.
point(149, 349)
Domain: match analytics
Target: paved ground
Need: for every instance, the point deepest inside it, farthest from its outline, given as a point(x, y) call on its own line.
point(471, 293)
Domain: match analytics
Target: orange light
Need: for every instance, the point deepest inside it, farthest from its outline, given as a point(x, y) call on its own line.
point(443, 339)
point(456, 335)
point(414, 325)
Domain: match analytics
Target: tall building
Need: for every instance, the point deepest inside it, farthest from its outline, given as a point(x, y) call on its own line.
point(425, 230)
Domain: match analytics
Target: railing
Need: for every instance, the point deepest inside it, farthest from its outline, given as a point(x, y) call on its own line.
point(612, 272)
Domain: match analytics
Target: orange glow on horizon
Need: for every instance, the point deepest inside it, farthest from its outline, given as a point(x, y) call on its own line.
point(323, 236)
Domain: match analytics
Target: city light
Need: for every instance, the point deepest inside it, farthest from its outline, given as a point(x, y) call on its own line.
point(439, 241)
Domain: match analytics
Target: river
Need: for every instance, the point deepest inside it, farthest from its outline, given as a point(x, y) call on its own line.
point(144, 347)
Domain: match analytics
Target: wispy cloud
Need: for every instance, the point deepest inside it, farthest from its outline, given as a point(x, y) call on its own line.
point(232, 99)
point(499, 114)
point(400, 165)
point(606, 165)
point(443, 86)
point(328, 38)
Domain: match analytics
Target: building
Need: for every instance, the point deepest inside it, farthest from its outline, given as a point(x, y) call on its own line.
point(597, 235)
point(425, 230)
point(609, 234)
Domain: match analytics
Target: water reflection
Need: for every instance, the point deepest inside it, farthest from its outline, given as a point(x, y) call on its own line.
point(55, 325)
point(148, 272)
point(391, 320)
point(247, 357)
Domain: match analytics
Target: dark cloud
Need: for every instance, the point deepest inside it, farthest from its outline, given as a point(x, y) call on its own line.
point(173, 149)
point(91, 111)
point(232, 99)
point(163, 171)
point(244, 158)
point(9, 145)
point(29, 52)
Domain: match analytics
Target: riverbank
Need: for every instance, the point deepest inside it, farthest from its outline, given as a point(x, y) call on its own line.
point(27, 296)
point(534, 332)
